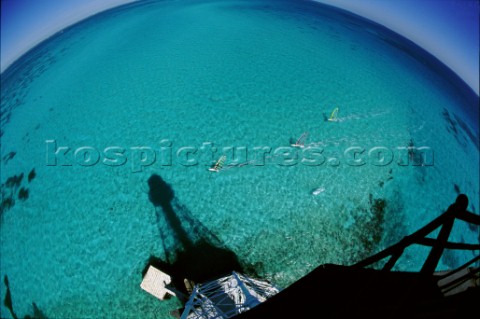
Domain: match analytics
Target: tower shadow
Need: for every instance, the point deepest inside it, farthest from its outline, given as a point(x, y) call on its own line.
point(192, 251)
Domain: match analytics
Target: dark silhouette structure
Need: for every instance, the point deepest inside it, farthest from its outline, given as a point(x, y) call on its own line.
point(332, 291)
point(191, 250)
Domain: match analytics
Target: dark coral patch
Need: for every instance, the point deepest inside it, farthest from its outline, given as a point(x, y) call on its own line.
point(31, 175)
point(456, 188)
point(378, 218)
point(14, 181)
point(451, 123)
point(471, 135)
point(370, 226)
point(9, 190)
point(23, 194)
point(8, 157)
point(474, 228)
point(6, 204)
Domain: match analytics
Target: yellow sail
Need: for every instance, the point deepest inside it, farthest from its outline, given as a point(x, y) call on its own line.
point(333, 116)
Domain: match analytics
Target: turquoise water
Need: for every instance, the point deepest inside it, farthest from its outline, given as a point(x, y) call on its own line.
point(235, 74)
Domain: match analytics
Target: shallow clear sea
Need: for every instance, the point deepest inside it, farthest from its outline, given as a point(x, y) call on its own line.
point(174, 79)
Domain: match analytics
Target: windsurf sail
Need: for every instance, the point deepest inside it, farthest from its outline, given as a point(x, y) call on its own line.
point(333, 116)
point(301, 140)
point(219, 164)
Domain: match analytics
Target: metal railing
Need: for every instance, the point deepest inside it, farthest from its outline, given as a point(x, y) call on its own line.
point(457, 210)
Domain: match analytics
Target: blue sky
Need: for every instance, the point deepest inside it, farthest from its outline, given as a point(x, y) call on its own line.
point(25, 23)
point(449, 29)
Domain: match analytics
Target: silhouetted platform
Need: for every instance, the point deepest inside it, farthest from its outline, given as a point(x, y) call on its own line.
point(332, 291)
point(368, 289)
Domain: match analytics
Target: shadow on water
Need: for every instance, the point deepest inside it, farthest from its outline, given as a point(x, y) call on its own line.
point(37, 313)
point(192, 251)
